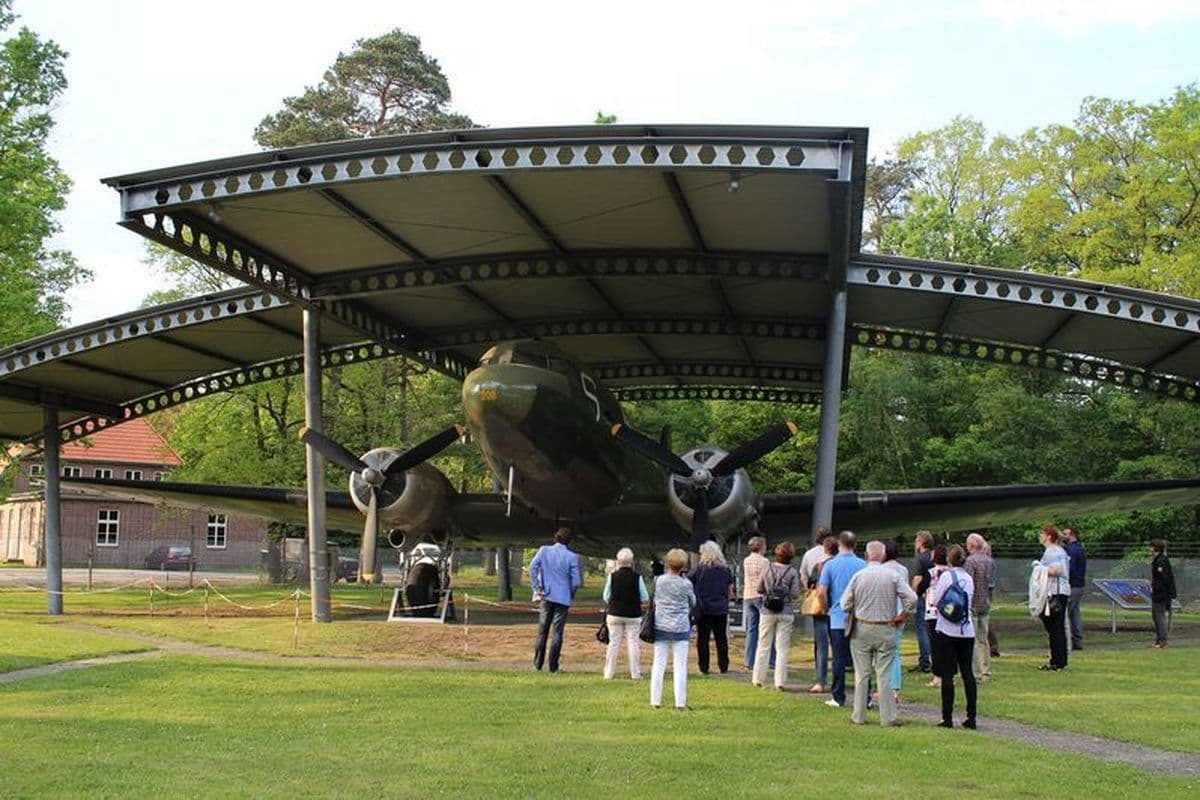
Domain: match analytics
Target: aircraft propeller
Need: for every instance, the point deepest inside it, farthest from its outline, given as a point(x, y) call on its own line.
point(701, 478)
point(375, 478)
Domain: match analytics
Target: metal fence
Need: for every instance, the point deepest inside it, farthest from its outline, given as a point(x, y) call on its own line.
point(1012, 575)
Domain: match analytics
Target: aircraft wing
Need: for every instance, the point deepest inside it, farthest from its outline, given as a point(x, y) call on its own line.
point(476, 520)
point(272, 504)
point(975, 507)
point(644, 524)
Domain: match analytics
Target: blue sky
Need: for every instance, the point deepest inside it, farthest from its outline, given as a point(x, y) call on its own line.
point(154, 84)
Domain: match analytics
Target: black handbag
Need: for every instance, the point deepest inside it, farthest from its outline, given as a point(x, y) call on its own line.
point(602, 631)
point(646, 631)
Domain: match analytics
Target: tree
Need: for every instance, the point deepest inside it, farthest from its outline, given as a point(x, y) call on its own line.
point(384, 85)
point(188, 276)
point(34, 187)
point(1116, 196)
point(889, 183)
point(604, 119)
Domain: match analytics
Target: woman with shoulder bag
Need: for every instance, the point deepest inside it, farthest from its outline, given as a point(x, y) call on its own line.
point(1058, 592)
point(780, 587)
point(815, 606)
point(713, 581)
point(624, 593)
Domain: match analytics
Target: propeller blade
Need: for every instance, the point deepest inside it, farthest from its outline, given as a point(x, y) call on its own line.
point(700, 521)
point(331, 450)
point(651, 449)
point(366, 553)
point(754, 449)
point(426, 450)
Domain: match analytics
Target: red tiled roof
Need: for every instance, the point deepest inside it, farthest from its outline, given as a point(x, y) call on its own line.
point(131, 442)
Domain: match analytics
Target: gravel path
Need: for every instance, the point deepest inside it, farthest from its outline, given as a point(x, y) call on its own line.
point(83, 663)
point(1150, 759)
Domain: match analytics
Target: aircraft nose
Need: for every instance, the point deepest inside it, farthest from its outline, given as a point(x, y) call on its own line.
point(497, 393)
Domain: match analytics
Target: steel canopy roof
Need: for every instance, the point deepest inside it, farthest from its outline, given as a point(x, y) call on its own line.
point(674, 261)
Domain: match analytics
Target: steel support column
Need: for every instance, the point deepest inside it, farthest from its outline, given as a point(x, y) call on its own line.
point(835, 347)
point(53, 512)
point(831, 408)
point(503, 573)
point(314, 471)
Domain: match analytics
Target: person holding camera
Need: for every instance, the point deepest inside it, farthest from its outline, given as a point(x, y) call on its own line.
point(1057, 565)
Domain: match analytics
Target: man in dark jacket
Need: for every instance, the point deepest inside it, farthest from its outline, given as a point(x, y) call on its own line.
point(1162, 591)
point(1077, 577)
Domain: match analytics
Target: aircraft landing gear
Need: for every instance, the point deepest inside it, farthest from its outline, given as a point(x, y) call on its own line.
point(425, 596)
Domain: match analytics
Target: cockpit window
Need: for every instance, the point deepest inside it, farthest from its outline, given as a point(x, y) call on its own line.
point(523, 356)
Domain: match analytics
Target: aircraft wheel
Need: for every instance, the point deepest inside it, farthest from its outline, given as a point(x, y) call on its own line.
point(421, 589)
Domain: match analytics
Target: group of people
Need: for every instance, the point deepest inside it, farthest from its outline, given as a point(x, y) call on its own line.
point(859, 610)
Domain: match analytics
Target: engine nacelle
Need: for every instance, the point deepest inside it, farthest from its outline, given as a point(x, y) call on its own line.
point(415, 501)
point(732, 503)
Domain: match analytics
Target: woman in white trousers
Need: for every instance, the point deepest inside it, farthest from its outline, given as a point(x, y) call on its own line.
point(624, 594)
point(775, 627)
point(674, 599)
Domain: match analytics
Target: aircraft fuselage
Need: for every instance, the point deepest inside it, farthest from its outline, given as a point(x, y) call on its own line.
point(539, 418)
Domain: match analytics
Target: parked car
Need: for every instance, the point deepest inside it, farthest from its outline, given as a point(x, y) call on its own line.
point(174, 556)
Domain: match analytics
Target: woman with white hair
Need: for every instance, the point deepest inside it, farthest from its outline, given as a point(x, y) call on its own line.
point(624, 593)
point(714, 589)
point(674, 599)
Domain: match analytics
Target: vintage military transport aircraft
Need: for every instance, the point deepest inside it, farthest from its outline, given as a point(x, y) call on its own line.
point(560, 448)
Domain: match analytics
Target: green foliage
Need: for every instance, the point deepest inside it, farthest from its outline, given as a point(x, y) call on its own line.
point(385, 85)
point(188, 277)
point(249, 436)
point(34, 186)
point(1114, 197)
point(604, 119)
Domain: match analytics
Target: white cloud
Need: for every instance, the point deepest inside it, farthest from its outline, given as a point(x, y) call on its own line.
point(1077, 17)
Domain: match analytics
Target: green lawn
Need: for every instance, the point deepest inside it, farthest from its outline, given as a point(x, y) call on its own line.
point(348, 599)
point(28, 643)
point(210, 728)
point(1137, 695)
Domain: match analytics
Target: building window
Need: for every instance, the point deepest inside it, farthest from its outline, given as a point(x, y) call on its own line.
point(72, 472)
point(217, 525)
point(133, 474)
point(158, 476)
point(108, 527)
point(103, 472)
point(37, 470)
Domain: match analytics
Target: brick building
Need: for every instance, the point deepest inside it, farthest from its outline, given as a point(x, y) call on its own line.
point(118, 533)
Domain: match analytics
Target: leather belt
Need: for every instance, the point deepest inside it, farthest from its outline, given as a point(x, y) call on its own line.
point(872, 621)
